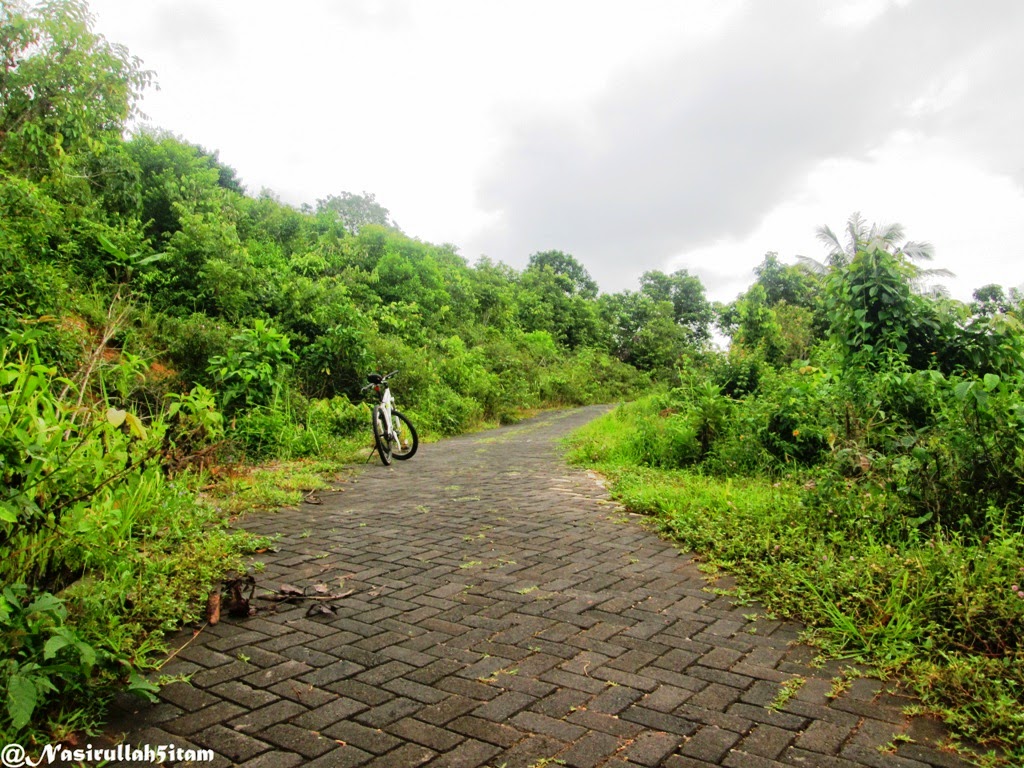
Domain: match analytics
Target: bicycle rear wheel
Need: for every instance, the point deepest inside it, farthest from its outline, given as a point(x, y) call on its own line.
point(380, 435)
point(404, 441)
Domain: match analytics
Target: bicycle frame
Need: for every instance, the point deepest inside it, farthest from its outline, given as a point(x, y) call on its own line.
point(388, 402)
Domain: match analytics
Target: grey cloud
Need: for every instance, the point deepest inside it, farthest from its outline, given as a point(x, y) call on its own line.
point(704, 146)
point(383, 14)
point(193, 32)
point(988, 117)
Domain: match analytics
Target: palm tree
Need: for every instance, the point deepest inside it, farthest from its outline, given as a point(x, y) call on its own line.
point(860, 237)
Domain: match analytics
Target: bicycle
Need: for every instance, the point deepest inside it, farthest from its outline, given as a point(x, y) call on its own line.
point(394, 436)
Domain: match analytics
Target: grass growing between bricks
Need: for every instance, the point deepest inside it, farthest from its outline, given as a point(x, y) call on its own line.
point(931, 606)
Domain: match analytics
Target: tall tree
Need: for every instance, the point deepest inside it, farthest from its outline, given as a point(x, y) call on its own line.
point(573, 276)
point(356, 211)
point(789, 283)
point(991, 300)
point(685, 292)
point(643, 331)
point(63, 88)
point(890, 238)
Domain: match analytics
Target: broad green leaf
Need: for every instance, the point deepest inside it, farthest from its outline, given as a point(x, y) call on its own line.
point(918, 521)
point(53, 646)
point(47, 603)
point(22, 698)
point(109, 247)
point(991, 382)
point(142, 687)
point(8, 512)
point(960, 390)
point(87, 654)
point(152, 259)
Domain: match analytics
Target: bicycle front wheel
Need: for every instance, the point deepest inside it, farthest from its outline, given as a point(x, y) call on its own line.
point(404, 440)
point(380, 435)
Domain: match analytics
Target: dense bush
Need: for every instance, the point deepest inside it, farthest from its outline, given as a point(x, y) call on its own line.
point(100, 547)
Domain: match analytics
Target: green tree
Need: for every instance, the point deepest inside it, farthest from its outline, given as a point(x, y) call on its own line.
point(177, 178)
point(64, 89)
point(991, 300)
point(875, 313)
point(890, 238)
point(758, 327)
point(572, 277)
point(685, 292)
point(494, 289)
point(411, 288)
point(356, 211)
point(643, 331)
point(254, 371)
point(548, 301)
point(789, 283)
point(265, 219)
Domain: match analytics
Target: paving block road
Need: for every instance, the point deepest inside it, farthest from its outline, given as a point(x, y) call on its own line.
point(505, 612)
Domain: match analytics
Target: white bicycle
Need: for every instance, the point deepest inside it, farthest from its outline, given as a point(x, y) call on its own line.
point(393, 434)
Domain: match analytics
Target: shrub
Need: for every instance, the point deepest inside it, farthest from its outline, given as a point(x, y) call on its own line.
point(99, 549)
point(191, 343)
point(338, 417)
point(254, 370)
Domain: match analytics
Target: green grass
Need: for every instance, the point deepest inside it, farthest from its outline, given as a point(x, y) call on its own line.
point(132, 590)
point(932, 606)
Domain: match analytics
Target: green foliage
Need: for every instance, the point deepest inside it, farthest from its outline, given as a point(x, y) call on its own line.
point(88, 513)
point(193, 423)
point(155, 319)
point(787, 283)
point(872, 482)
point(853, 417)
point(644, 332)
point(191, 343)
point(51, 460)
point(759, 329)
point(571, 276)
point(980, 698)
point(262, 434)
point(65, 89)
point(873, 312)
point(44, 652)
point(338, 416)
point(691, 311)
point(335, 362)
point(985, 343)
point(254, 370)
point(354, 212)
point(557, 296)
point(883, 510)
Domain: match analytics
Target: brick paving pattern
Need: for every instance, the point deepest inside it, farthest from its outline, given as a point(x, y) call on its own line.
point(505, 613)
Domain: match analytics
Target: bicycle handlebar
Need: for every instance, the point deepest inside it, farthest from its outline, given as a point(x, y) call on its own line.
point(376, 380)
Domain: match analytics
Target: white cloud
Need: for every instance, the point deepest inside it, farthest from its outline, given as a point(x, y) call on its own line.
point(973, 218)
point(638, 136)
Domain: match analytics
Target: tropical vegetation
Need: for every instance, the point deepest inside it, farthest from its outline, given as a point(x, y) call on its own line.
point(855, 457)
point(161, 329)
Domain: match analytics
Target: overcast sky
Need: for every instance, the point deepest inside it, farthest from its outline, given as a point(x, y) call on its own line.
point(649, 134)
